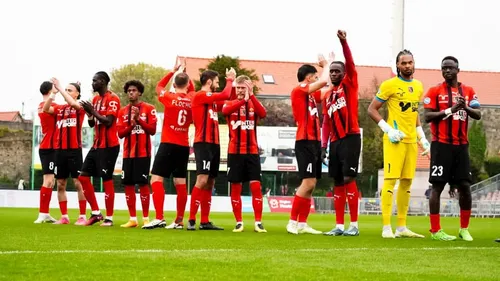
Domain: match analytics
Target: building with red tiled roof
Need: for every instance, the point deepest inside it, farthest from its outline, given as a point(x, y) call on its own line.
point(11, 116)
point(276, 79)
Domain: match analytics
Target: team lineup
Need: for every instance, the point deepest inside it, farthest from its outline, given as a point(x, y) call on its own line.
point(447, 108)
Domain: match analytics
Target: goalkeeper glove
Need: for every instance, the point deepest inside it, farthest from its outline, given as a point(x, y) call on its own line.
point(395, 135)
point(426, 146)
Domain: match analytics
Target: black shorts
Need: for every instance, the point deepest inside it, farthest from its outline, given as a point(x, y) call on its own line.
point(135, 170)
point(308, 154)
point(243, 167)
point(207, 157)
point(68, 163)
point(344, 158)
point(48, 160)
point(171, 159)
point(101, 162)
point(449, 163)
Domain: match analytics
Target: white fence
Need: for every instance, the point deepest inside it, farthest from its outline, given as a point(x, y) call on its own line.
point(417, 207)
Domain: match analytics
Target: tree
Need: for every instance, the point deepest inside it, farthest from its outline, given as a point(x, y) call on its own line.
point(220, 63)
point(477, 150)
point(148, 74)
point(372, 153)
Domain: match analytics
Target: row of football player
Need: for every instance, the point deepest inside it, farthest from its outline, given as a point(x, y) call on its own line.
point(341, 129)
point(61, 156)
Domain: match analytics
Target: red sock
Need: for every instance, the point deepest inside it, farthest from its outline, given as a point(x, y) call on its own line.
point(83, 207)
point(435, 224)
point(206, 201)
point(130, 197)
point(195, 202)
point(464, 218)
point(109, 197)
point(145, 198)
point(353, 200)
point(304, 209)
point(339, 198)
point(256, 190)
point(182, 198)
point(63, 206)
point(158, 198)
point(45, 196)
point(88, 191)
point(294, 214)
point(236, 200)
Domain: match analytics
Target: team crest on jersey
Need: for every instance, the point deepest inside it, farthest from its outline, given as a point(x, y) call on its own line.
point(410, 89)
point(427, 100)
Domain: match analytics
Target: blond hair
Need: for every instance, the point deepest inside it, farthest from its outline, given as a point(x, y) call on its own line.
point(242, 79)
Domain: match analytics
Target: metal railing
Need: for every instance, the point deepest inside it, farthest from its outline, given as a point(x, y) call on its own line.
point(490, 184)
point(417, 207)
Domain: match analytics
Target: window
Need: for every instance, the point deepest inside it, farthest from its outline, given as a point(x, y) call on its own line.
point(268, 78)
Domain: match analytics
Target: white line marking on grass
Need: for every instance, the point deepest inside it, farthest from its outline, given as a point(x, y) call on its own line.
point(162, 251)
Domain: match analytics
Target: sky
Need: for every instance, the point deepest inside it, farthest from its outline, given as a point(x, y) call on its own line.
point(72, 40)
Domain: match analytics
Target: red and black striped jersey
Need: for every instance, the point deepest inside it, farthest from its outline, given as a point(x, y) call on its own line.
point(108, 104)
point(137, 133)
point(242, 118)
point(69, 122)
point(205, 106)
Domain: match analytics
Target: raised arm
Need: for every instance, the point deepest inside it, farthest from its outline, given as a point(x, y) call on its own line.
point(260, 110)
point(232, 106)
point(350, 68)
point(47, 106)
point(215, 97)
point(67, 97)
point(160, 87)
point(324, 78)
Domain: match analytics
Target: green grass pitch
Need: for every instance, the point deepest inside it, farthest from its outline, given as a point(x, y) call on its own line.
point(68, 252)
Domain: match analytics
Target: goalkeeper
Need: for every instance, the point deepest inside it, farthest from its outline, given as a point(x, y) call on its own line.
point(401, 132)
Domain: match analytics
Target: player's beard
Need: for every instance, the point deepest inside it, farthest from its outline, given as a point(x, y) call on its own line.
point(212, 88)
point(410, 73)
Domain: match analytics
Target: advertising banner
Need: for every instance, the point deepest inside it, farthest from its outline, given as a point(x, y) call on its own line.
point(283, 204)
point(276, 146)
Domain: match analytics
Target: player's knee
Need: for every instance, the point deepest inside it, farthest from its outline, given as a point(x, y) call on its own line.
point(78, 184)
point(49, 181)
point(202, 181)
point(389, 183)
point(178, 181)
point(61, 185)
point(156, 178)
point(309, 183)
point(405, 184)
point(464, 189)
point(438, 187)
